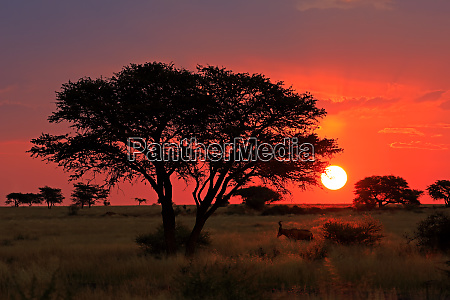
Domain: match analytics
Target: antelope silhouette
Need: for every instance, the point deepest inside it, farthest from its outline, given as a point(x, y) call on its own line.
point(295, 234)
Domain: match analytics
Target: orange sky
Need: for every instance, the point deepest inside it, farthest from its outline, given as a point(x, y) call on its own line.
point(380, 68)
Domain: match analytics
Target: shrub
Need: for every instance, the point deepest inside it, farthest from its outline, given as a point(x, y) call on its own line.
point(365, 231)
point(154, 243)
point(433, 233)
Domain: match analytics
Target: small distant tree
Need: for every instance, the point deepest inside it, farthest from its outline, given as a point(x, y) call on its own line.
point(140, 200)
point(106, 202)
point(87, 194)
point(382, 190)
point(257, 196)
point(51, 195)
point(14, 198)
point(440, 190)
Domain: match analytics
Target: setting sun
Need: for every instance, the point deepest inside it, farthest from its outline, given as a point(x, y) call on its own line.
point(334, 177)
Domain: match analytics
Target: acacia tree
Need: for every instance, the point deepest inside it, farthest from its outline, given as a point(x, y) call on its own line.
point(155, 102)
point(51, 195)
point(14, 198)
point(144, 106)
point(88, 194)
point(271, 130)
point(382, 190)
point(440, 190)
point(23, 198)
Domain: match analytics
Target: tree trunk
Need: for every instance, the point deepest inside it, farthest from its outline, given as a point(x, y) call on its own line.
point(168, 216)
point(191, 244)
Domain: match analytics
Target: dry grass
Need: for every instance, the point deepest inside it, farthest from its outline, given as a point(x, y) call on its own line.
point(91, 256)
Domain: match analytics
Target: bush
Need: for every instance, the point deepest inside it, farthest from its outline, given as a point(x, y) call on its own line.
point(365, 231)
point(154, 243)
point(433, 233)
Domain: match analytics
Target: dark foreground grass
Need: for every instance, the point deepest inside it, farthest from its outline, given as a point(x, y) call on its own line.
point(47, 254)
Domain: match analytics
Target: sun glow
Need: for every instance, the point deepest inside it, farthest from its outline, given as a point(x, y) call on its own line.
point(334, 177)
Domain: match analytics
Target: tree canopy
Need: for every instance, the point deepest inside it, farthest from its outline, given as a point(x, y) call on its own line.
point(119, 124)
point(382, 190)
point(440, 190)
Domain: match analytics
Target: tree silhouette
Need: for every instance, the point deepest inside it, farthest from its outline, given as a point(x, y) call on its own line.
point(440, 190)
point(154, 104)
point(31, 198)
point(23, 198)
point(252, 108)
point(51, 195)
point(140, 200)
point(257, 196)
point(154, 101)
point(14, 198)
point(87, 194)
point(382, 190)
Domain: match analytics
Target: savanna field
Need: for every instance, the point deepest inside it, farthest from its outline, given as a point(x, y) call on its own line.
point(50, 254)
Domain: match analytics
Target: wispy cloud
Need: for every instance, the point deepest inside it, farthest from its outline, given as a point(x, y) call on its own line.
point(430, 96)
point(304, 5)
point(436, 125)
point(352, 103)
point(418, 145)
point(407, 130)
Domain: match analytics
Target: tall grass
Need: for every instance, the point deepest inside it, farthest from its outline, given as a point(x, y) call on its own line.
point(51, 255)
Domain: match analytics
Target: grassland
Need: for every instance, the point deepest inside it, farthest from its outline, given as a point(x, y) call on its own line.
point(47, 254)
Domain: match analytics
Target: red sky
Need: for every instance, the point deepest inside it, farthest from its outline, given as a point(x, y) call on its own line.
point(380, 68)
